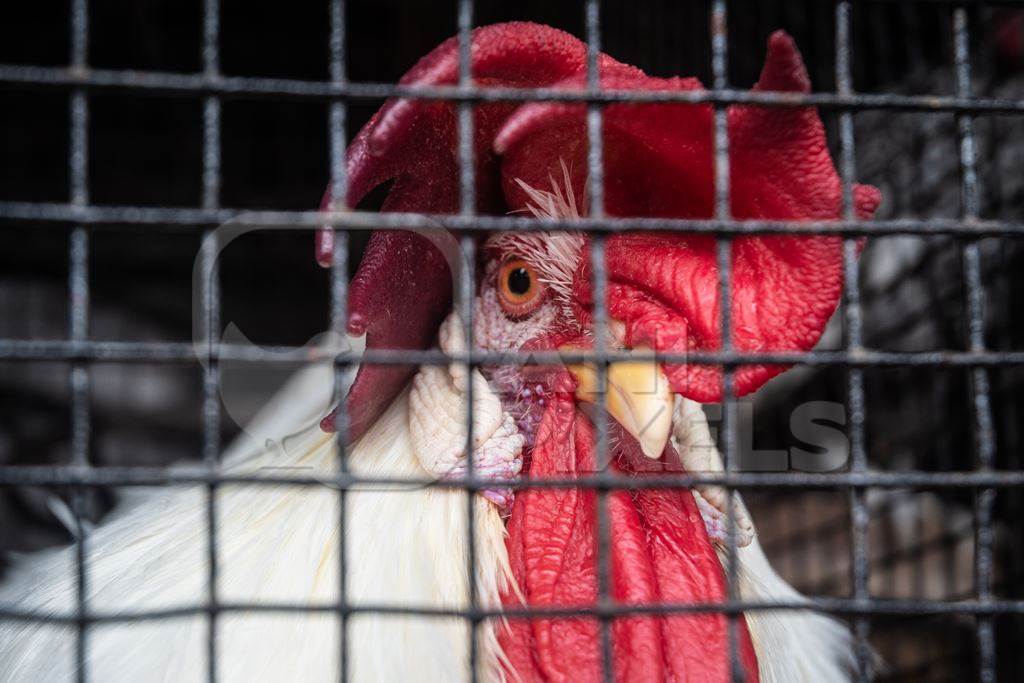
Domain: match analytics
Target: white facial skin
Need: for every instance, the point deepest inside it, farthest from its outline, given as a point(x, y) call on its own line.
point(507, 408)
point(494, 330)
point(437, 408)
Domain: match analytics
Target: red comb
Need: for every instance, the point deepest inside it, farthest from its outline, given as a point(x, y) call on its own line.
point(658, 163)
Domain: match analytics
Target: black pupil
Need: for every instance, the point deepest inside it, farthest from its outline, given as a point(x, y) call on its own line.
point(519, 281)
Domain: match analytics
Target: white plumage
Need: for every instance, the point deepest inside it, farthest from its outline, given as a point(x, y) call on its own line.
point(276, 545)
point(406, 546)
point(791, 645)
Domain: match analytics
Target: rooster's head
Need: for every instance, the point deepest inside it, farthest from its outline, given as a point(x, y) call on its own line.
point(535, 294)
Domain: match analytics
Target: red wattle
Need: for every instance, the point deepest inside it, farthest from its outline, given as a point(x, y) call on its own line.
point(660, 552)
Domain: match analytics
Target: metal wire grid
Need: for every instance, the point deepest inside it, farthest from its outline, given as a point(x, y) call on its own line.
point(212, 87)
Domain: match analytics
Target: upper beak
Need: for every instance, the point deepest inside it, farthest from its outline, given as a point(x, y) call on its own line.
point(638, 397)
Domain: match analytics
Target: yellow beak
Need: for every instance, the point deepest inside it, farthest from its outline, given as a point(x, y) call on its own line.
point(638, 398)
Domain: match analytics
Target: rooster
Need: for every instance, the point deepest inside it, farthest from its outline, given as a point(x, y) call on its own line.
point(535, 547)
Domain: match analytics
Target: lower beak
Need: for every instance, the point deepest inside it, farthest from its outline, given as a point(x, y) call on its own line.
point(638, 397)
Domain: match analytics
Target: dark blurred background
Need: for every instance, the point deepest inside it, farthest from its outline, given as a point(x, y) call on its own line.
point(147, 150)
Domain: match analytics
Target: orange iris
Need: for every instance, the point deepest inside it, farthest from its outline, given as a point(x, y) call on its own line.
point(519, 289)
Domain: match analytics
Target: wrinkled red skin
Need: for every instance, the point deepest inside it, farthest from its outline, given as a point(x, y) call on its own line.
point(665, 287)
point(659, 553)
point(657, 163)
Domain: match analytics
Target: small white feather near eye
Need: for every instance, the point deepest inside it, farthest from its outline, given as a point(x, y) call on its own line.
point(555, 255)
point(554, 203)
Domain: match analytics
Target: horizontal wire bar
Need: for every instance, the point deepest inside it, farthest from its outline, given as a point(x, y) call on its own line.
point(70, 475)
point(200, 84)
point(961, 3)
point(607, 610)
point(31, 350)
point(197, 218)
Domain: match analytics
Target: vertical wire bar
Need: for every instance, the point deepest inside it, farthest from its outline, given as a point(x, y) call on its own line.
point(983, 427)
point(210, 311)
point(78, 322)
point(859, 514)
point(338, 114)
point(719, 69)
point(467, 289)
point(211, 107)
point(595, 202)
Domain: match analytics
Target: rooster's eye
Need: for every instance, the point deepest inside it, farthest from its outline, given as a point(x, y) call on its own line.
point(518, 288)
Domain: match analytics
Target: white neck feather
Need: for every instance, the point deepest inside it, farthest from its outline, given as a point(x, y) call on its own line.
point(791, 645)
point(276, 544)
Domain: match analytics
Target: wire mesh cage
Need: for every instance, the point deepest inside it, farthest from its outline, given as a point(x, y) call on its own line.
point(133, 133)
